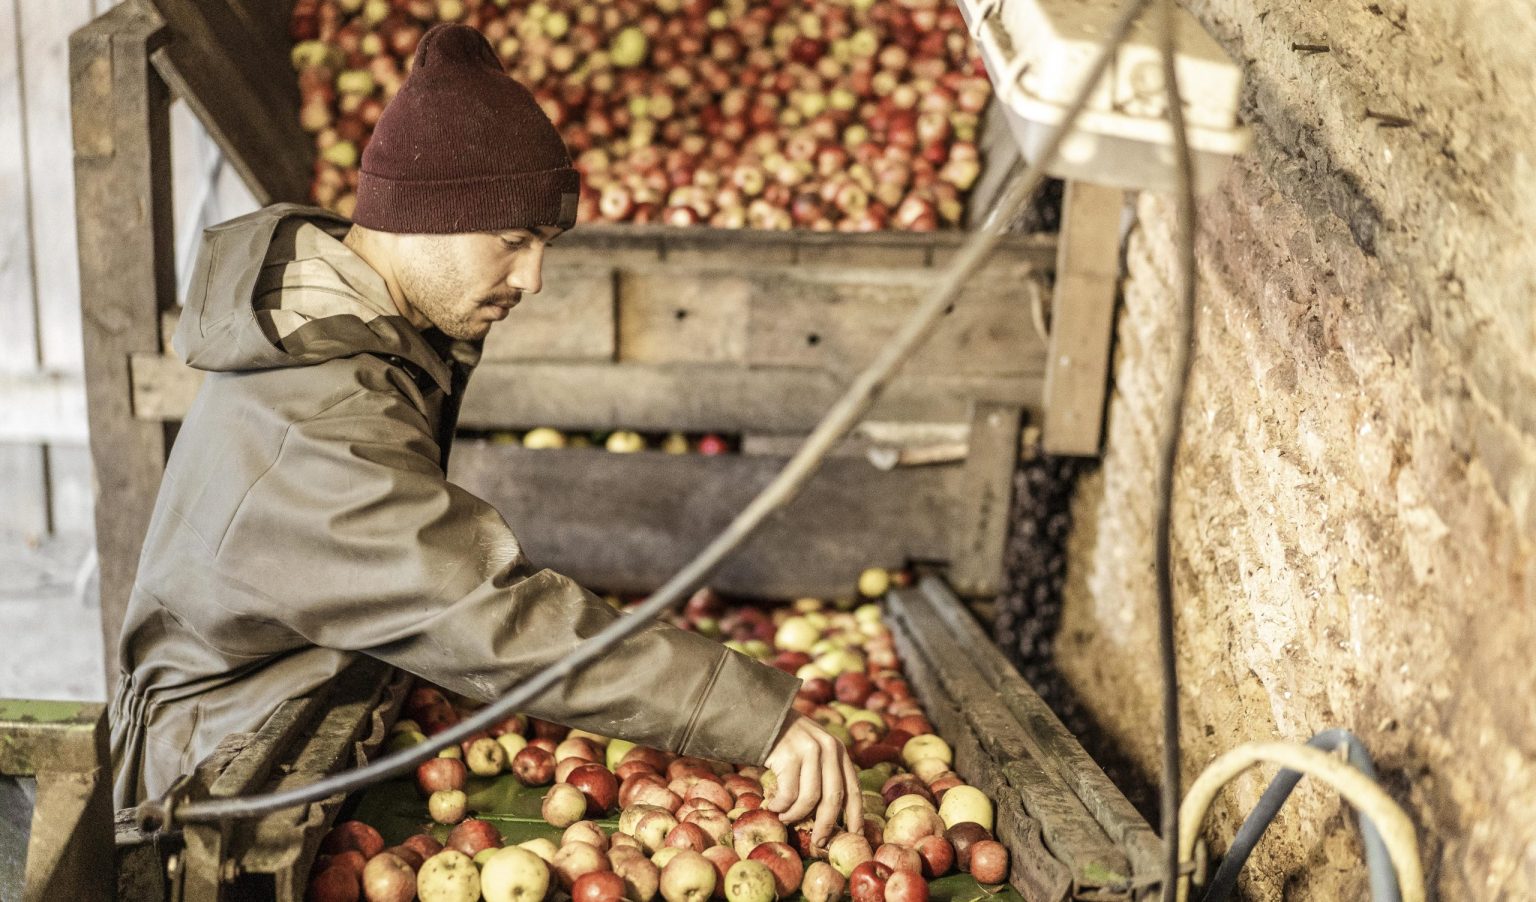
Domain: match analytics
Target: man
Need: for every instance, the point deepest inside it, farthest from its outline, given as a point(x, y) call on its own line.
point(305, 517)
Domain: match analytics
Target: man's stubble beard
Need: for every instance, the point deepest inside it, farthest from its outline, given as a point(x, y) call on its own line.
point(438, 290)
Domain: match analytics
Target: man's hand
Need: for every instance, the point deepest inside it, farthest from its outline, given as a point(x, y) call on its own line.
point(814, 773)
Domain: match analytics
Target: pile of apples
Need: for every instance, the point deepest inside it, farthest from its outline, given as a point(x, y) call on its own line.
point(850, 115)
point(620, 441)
point(689, 829)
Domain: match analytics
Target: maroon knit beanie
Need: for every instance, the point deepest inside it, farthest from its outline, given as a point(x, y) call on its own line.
point(464, 147)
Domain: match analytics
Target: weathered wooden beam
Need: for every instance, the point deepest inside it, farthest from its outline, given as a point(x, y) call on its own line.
point(692, 398)
point(241, 87)
point(980, 530)
point(1082, 319)
point(627, 522)
point(120, 114)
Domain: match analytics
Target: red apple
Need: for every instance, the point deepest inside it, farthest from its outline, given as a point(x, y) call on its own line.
point(784, 862)
point(627, 769)
point(722, 857)
point(423, 844)
point(533, 766)
point(713, 792)
point(352, 835)
point(906, 886)
point(937, 855)
point(588, 832)
point(688, 836)
point(963, 836)
point(598, 886)
point(817, 689)
point(336, 883)
point(757, 826)
point(898, 858)
point(473, 835)
point(853, 688)
point(989, 861)
point(715, 824)
point(436, 774)
point(575, 859)
point(599, 785)
point(577, 747)
point(867, 882)
point(387, 878)
point(406, 854)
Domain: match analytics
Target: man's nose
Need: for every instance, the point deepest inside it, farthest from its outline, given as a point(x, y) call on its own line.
point(527, 275)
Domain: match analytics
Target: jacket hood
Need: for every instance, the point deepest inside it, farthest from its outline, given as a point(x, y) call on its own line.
point(278, 288)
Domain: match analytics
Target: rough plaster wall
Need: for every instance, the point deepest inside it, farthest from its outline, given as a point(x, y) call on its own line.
point(1356, 493)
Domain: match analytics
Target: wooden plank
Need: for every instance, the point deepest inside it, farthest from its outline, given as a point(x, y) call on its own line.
point(23, 492)
point(1082, 319)
point(840, 327)
point(1050, 742)
point(44, 51)
point(683, 317)
point(42, 406)
point(980, 530)
point(121, 135)
point(246, 96)
point(691, 398)
point(571, 318)
point(71, 489)
point(627, 522)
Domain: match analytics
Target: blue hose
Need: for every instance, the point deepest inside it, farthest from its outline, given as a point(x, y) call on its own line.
point(1383, 877)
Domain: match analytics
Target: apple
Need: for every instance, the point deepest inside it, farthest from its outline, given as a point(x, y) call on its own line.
point(473, 835)
point(653, 827)
point(542, 846)
point(545, 743)
point(874, 830)
point(853, 687)
point(575, 859)
point(651, 792)
point(627, 770)
point(867, 882)
point(784, 862)
point(906, 886)
point(688, 836)
point(406, 854)
point(625, 841)
point(598, 886)
point(930, 769)
point(533, 766)
point(641, 877)
point(614, 754)
point(912, 823)
point(388, 878)
point(822, 883)
point(563, 805)
point(926, 746)
point(448, 876)
point(629, 817)
point(966, 803)
point(657, 759)
point(757, 826)
point(511, 744)
point(485, 757)
point(564, 767)
point(576, 747)
point(989, 861)
point(722, 857)
point(907, 801)
point(902, 784)
point(898, 858)
point(847, 851)
point(349, 835)
point(875, 753)
point(436, 774)
point(587, 832)
point(711, 792)
point(337, 883)
point(750, 881)
point(632, 782)
point(688, 877)
point(963, 836)
point(448, 806)
point(514, 874)
point(598, 785)
point(423, 844)
point(937, 855)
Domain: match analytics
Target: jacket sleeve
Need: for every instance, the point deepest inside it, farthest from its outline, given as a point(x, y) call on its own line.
point(357, 541)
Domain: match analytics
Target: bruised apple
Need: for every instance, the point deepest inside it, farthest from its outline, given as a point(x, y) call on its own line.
point(822, 883)
point(750, 881)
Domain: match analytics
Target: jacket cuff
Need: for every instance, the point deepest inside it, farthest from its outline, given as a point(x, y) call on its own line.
point(742, 712)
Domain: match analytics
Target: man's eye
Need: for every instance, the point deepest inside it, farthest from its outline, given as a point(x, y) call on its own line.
point(512, 243)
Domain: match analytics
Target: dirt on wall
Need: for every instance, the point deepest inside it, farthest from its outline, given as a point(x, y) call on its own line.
point(1355, 512)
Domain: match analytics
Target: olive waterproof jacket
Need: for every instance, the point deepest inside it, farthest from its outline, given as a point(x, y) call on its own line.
point(305, 518)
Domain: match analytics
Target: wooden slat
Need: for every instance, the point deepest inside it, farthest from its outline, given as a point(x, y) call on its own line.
point(42, 406)
point(980, 530)
point(693, 398)
point(245, 96)
point(45, 32)
point(1082, 319)
point(841, 326)
point(1050, 742)
point(122, 202)
point(571, 318)
point(627, 522)
point(672, 316)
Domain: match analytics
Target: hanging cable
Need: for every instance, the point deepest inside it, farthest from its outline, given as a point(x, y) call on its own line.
point(836, 424)
point(1360, 790)
point(1183, 337)
point(1383, 879)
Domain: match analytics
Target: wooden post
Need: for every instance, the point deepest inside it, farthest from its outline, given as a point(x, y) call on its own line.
point(120, 111)
point(1082, 319)
point(980, 534)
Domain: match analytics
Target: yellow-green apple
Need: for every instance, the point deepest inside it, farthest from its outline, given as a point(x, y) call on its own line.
point(966, 803)
point(563, 805)
point(653, 827)
point(448, 806)
point(749, 881)
point(514, 874)
point(448, 876)
point(485, 757)
point(849, 850)
point(542, 846)
point(688, 877)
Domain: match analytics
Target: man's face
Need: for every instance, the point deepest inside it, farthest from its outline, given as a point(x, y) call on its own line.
point(464, 283)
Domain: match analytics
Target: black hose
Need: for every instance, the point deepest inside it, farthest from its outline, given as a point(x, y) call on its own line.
point(1383, 875)
point(1183, 338)
point(838, 421)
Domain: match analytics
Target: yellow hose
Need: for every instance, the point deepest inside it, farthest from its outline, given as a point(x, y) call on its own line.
point(1397, 831)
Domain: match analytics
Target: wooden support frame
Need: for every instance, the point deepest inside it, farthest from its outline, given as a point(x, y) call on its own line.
point(1082, 319)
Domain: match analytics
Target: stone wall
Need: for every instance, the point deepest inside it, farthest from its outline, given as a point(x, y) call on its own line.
point(1356, 492)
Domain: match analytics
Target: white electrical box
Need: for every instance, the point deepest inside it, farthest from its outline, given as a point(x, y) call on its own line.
point(1037, 53)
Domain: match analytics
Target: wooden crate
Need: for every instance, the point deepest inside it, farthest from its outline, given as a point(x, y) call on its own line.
point(749, 333)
